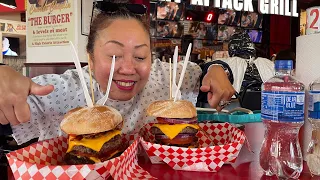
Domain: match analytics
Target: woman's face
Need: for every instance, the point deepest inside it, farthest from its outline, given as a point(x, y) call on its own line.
point(246, 20)
point(162, 12)
point(130, 43)
point(223, 18)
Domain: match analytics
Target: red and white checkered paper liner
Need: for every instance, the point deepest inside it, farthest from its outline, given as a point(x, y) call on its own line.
point(209, 157)
point(41, 161)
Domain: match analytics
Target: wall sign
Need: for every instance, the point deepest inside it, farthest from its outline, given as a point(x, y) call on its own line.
point(284, 7)
point(313, 20)
point(50, 23)
point(12, 27)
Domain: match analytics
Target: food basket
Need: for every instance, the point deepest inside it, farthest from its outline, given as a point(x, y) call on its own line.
point(219, 143)
point(44, 160)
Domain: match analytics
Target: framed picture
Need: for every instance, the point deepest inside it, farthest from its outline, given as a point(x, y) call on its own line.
point(170, 11)
point(86, 13)
point(167, 29)
point(229, 17)
point(255, 35)
point(251, 20)
point(225, 32)
point(203, 30)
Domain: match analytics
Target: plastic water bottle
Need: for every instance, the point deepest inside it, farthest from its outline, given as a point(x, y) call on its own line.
point(282, 111)
point(313, 154)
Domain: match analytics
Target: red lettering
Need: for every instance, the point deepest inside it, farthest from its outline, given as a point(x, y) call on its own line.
point(314, 11)
point(60, 18)
point(45, 19)
point(36, 21)
point(67, 18)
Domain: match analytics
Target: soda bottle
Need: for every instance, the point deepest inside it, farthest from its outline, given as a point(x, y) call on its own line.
point(313, 153)
point(282, 112)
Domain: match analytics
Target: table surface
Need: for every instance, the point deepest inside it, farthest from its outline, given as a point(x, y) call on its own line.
point(239, 170)
point(246, 166)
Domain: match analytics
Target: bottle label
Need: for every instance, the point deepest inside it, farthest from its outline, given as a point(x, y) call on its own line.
point(283, 106)
point(314, 104)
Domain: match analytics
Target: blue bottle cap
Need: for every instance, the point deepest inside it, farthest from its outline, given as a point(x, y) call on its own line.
point(284, 65)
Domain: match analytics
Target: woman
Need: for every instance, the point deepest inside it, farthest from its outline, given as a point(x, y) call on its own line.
point(201, 32)
point(168, 10)
point(136, 82)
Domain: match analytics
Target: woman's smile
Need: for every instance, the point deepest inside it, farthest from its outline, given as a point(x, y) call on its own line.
point(125, 85)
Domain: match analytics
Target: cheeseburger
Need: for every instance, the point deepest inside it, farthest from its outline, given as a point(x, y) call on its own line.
point(94, 134)
point(176, 123)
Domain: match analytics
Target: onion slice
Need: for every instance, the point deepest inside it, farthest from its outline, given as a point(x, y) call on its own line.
point(162, 120)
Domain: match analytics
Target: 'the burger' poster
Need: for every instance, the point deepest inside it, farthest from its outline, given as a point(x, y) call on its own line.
point(50, 22)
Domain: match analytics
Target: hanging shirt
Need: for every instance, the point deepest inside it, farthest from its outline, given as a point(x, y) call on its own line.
point(48, 111)
point(262, 70)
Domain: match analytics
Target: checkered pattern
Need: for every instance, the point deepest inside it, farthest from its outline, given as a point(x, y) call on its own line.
point(146, 133)
point(41, 161)
point(226, 145)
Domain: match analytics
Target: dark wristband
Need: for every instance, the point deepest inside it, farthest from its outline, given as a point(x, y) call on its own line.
point(5, 130)
point(225, 67)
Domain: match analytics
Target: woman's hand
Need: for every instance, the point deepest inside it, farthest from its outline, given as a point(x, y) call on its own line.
point(218, 86)
point(14, 90)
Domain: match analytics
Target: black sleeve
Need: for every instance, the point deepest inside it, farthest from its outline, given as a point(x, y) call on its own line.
point(202, 97)
point(205, 67)
point(2, 64)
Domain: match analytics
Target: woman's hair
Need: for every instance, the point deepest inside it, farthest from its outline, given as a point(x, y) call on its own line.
point(103, 19)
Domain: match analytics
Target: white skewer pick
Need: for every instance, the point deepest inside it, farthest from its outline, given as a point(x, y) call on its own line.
point(185, 64)
point(174, 75)
point(81, 76)
point(103, 100)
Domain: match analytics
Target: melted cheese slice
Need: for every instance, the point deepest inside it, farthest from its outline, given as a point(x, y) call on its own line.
point(94, 159)
point(97, 160)
point(173, 130)
point(94, 144)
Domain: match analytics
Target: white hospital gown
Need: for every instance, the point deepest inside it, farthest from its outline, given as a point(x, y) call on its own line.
point(48, 111)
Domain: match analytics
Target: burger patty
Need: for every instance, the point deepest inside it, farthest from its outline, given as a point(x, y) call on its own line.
point(193, 144)
point(187, 130)
point(108, 147)
point(74, 159)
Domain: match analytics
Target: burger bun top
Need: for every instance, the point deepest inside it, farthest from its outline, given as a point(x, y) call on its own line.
point(170, 109)
point(85, 120)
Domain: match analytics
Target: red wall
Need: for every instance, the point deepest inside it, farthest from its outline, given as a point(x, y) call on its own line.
point(20, 7)
point(280, 33)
